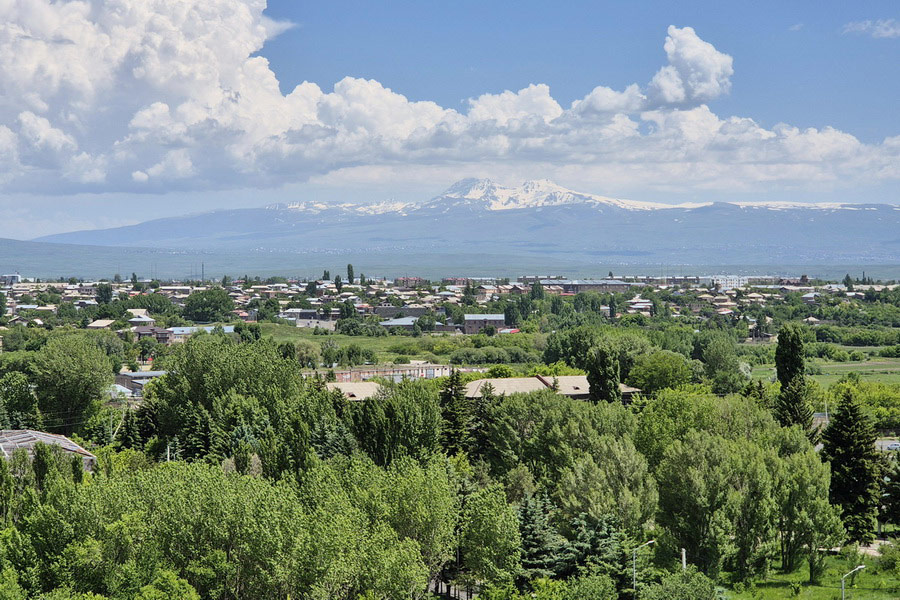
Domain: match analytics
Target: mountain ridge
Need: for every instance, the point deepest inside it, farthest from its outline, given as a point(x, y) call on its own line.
point(537, 218)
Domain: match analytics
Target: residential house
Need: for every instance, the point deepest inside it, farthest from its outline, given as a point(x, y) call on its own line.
point(476, 323)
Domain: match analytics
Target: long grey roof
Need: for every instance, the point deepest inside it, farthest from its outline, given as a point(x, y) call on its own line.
point(12, 439)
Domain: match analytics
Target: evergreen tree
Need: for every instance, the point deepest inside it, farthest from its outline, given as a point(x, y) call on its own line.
point(613, 309)
point(349, 273)
point(338, 284)
point(603, 374)
point(891, 496)
point(456, 411)
point(483, 421)
point(789, 354)
point(849, 443)
point(326, 275)
point(543, 548)
point(792, 407)
point(129, 435)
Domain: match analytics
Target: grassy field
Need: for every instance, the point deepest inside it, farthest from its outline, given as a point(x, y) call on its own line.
point(380, 345)
point(880, 369)
point(870, 584)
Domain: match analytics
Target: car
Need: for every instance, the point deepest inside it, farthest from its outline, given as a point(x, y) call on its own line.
point(893, 446)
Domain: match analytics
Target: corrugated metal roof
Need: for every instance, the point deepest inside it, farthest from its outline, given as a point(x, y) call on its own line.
point(12, 439)
point(505, 386)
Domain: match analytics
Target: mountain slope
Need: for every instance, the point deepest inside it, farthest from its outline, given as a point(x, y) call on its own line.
point(538, 218)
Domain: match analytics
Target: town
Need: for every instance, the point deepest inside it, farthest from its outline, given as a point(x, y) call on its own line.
point(174, 370)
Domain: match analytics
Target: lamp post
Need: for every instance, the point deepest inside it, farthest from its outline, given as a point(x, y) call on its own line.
point(859, 568)
point(634, 565)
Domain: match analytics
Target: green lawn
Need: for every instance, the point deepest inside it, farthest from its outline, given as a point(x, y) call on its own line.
point(884, 370)
point(381, 345)
point(870, 584)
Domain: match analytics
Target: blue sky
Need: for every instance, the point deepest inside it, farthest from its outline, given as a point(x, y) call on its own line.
point(792, 62)
point(117, 112)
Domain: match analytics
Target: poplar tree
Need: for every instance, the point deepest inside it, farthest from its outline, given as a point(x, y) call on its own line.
point(603, 375)
point(789, 362)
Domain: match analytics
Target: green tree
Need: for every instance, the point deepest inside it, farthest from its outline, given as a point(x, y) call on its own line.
point(71, 374)
point(891, 494)
point(543, 548)
point(806, 522)
point(2, 304)
point(104, 293)
point(338, 284)
point(208, 306)
point(167, 585)
point(694, 488)
point(489, 537)
point(660, 369)
point(401, 420)
point(18, 402)
point(349, 273)
point(849, 444)
point(147, 346)
point(614, 481)
point(681, 585)
point(793, 407)
point(456, 410)
point(603, 374)
point(789, 354)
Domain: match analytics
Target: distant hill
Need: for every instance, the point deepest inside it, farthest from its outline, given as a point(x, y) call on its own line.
point(538, 221)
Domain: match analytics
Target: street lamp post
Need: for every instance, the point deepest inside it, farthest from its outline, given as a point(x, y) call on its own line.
point(634, 565)
point(859, 568)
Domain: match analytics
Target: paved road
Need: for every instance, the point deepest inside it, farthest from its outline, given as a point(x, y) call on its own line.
point(883, 445)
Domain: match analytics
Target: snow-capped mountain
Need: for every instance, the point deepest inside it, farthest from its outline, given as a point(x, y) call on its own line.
point(483, 194)
point(479, 217)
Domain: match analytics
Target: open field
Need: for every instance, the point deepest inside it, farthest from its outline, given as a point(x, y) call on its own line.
point(870, 584)
point(380, 345)
point(883, 370)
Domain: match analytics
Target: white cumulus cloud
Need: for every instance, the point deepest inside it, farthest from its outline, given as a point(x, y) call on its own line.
point(154, 95)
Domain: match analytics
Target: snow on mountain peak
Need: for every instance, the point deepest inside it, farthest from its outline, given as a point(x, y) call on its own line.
point(534, 193)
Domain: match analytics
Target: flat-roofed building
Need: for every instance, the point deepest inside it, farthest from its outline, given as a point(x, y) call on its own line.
point(475, 323)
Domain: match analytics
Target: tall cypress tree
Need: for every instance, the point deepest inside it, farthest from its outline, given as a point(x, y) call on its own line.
point(792, 407)
point(789, 354)
point(603, 374)
point(849, 443)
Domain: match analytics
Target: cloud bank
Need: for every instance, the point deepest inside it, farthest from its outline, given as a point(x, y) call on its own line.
point(154, 96)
